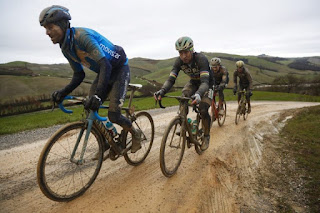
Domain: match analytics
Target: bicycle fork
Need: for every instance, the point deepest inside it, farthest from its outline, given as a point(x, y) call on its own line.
point(81, 161)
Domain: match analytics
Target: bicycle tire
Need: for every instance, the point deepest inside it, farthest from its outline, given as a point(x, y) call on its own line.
point(245, 114)
point(212, 113)
point(238, 114)
point(60, 179)
point(222, 118)
point(143, 121)
point(172, 147)
point(200, 135)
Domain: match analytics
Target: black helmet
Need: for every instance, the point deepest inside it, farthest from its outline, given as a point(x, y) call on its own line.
point(54, 13)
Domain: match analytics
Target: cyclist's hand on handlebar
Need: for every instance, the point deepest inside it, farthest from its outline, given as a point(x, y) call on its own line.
point(159, 94)
point(93, 103)
point(196, 99)
point(234, 90)
point(58, 96)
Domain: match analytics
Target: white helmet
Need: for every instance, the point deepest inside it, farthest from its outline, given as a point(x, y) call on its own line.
point(239, 64)
point(215, 61)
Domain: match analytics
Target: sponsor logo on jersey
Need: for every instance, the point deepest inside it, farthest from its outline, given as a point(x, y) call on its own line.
point(106, 49)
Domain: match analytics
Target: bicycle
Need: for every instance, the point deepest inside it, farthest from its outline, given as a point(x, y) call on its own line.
point(71, 159)
point(214, 112)
point(175, 137)
point(242, 109)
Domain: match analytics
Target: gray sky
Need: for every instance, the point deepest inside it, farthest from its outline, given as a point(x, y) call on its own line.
point(149, 28)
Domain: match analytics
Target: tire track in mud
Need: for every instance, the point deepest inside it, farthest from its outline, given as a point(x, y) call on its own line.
point(217, 181)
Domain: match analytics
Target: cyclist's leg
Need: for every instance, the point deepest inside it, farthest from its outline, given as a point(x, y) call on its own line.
point(188, 90)
point(117, 97)
point(206, 120)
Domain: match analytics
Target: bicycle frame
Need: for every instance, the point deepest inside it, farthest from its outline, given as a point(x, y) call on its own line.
point(93, 115)
point(213, 105)
point(90, 120)
point(182, 114)
point(243, 100)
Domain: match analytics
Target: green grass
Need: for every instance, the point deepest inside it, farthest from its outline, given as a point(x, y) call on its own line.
point(304, 141)
point(17, 123)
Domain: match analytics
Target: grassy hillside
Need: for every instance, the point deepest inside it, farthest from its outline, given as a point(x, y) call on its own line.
point(19, 79)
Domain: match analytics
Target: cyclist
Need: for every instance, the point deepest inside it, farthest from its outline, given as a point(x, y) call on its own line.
point(220, 74)
point(196, 66)
point(83, 46)
point(245, 82)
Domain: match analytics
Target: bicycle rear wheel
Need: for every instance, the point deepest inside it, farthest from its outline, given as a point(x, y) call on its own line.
point(172, 147)
point(222, 118)
point(144, 122)
point(60, 178)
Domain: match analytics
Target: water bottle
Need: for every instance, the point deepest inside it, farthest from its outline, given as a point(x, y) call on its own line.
point(194, 127)
point(189, 121)
point(111, 128)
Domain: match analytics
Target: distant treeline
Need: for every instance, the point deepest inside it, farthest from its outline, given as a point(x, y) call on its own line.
point(273, 59)
point(28, 104)
point(303, 64)
point(12, 70)
point(292, 84)
point(235, 59)
point(37, 103)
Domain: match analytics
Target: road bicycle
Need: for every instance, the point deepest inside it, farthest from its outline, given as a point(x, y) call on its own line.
point(180, 132)
point(242, 109)
point(71, 159)
point(214, 112)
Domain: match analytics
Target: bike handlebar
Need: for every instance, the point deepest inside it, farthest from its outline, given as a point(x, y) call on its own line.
point(68, 111)
point(177, 97)
point(63, 108)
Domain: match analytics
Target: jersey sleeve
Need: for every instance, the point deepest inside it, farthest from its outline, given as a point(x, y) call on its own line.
point(203, 66)
point(224, 76)
point(235, 74)
point(173, 76)
point(249, 79)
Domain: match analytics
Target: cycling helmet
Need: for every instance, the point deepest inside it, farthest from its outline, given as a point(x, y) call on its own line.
point(54, 13)
point(184, 43)
point(239, 64)
point(215, 61)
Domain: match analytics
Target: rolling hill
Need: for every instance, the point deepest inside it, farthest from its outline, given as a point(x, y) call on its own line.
point(20, 79)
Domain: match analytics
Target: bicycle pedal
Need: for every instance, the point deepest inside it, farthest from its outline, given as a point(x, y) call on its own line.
point(112, 155)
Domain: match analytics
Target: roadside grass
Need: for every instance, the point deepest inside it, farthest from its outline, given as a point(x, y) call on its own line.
point(303, 135)
point(28, 121)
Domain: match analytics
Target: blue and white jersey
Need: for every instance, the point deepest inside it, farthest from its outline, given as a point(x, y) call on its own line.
point(83, 46)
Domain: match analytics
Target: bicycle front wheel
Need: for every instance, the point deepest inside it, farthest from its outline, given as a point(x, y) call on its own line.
point(245, 113)
point(172, 147)
point(238, 114)
point(62, 178)
point(199, 135)
point(144, 122)
point(222, 118)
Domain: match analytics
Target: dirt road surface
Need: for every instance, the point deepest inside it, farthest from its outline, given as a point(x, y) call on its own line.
point(220, 180)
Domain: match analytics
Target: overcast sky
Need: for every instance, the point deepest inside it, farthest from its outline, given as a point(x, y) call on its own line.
point(149, 28)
